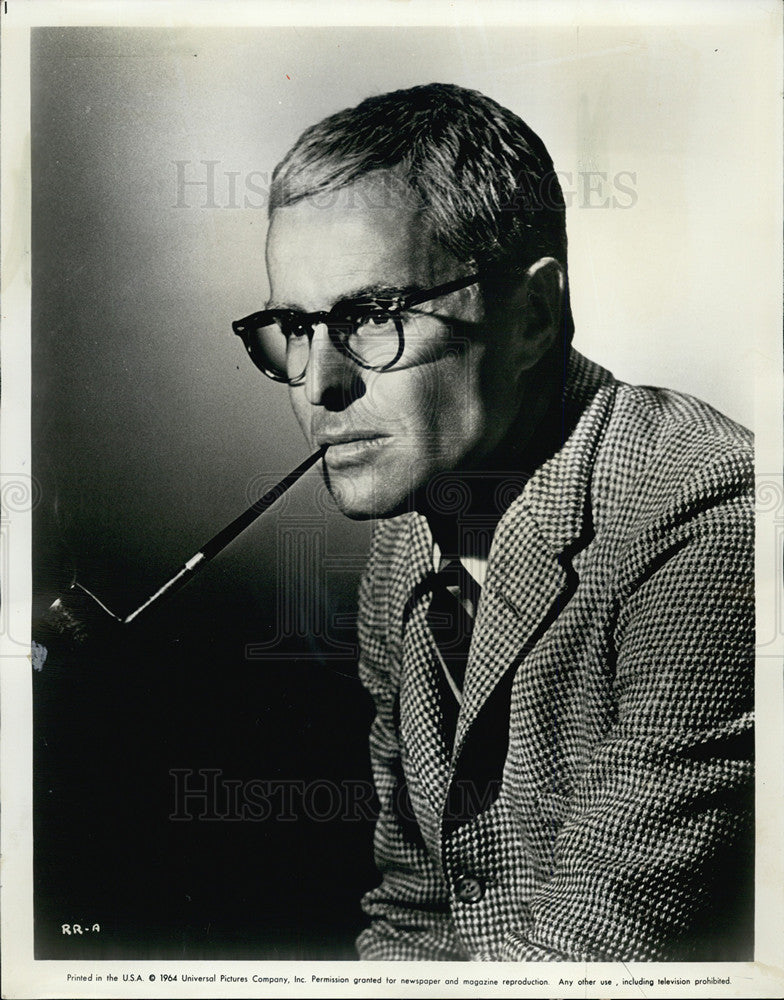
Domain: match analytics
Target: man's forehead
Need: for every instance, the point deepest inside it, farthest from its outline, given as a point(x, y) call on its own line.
point(378, 202)
point(331, 245)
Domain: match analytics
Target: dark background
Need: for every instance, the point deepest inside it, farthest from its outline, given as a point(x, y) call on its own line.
point(150, 432)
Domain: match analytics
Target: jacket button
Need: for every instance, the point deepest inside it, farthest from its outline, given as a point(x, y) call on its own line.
point(468, 889)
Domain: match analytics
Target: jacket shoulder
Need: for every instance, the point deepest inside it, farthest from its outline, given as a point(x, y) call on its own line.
point(664, 450)
point(671, 471)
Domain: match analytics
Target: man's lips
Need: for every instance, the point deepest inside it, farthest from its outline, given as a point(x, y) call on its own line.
point(326, 439)
point(350, 447)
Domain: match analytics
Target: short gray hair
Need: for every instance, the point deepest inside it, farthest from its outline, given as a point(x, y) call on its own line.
point(484, 178)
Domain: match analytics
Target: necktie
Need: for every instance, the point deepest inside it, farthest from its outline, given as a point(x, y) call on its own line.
point(450, 617)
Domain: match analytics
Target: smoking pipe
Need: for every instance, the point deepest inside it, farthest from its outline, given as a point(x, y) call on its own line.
point(79, 613)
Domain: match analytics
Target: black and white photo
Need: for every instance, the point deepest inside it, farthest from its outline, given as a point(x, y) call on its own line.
point(485, 308)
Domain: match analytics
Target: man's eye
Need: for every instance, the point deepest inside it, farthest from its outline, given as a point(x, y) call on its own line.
point(292, 329)
point(376, 318)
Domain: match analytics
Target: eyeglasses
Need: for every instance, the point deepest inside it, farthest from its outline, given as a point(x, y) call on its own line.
point(368, 331)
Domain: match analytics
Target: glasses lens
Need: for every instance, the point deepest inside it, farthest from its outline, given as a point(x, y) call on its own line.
point(279, 350)
point(376, 340)
point(281, 346)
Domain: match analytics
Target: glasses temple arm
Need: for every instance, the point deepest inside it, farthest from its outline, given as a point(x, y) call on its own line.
point(417, 298)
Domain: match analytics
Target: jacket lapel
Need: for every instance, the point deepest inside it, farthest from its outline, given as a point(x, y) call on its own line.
point(422, 738)
point(529, 576)
point(523, 585)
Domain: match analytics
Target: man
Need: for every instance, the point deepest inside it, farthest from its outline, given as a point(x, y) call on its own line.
point(578, 784)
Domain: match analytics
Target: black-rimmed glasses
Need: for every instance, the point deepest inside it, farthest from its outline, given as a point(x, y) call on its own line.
point(368, 331)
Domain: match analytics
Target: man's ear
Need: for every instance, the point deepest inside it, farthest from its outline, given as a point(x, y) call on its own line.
point(541, 308)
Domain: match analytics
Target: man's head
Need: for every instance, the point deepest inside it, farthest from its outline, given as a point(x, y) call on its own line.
point(404, 193)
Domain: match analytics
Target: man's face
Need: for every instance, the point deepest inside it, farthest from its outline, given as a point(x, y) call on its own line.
point(451, 399)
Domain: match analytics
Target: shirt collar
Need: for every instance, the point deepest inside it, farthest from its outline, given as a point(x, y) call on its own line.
point(475, 566)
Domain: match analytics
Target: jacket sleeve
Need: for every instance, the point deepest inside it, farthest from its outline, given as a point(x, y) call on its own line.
point(409, 910)
point(653, 859)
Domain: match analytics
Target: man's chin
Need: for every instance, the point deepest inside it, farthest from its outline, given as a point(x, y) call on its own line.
point(360, 500)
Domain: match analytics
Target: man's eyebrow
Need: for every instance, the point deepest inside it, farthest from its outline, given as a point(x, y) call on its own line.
point(361, 293)
point(380, 291)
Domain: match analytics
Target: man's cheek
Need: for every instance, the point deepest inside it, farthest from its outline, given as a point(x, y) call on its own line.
point(386, 399)
point(405, 400)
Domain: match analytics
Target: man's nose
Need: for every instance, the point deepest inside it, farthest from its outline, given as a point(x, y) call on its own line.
point(331, 377)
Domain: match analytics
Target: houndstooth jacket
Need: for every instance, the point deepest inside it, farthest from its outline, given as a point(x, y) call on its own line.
point(597, 803)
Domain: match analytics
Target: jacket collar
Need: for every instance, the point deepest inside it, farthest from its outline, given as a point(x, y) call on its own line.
point(555, 496)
